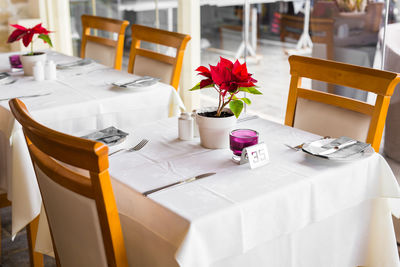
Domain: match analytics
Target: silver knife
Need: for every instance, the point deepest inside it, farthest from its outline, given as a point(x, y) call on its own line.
point(191, 179)
point(25, 96)
point(336, 148)
point(136, 81)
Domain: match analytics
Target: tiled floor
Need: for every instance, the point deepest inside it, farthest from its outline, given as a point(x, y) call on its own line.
point(15, 253)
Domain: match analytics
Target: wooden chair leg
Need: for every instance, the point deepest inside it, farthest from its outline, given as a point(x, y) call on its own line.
point(36, 259)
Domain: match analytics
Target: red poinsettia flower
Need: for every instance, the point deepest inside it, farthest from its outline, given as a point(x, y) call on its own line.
point(206, 73)
point(228, 77)
point(26, 34)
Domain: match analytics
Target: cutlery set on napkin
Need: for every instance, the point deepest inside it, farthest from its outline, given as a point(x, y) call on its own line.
point(109, 136)
point(5, 79)
point(341, 148)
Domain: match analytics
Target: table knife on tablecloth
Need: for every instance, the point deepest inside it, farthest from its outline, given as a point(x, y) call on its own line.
point(191, 179)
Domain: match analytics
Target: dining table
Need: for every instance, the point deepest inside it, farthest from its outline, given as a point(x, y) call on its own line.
point(82, 97)
point(297, 210)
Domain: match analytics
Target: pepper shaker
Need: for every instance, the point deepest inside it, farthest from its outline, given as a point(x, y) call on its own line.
point(185, 126)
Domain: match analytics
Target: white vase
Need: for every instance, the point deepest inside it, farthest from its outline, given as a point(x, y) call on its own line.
point(29, 61)
point(214, 131)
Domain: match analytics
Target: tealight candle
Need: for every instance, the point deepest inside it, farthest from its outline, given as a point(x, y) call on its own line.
point(15, 62)
point(242, 138)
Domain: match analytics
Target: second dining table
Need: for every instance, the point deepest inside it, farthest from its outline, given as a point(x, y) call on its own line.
point(81, 98)
point(298, 210)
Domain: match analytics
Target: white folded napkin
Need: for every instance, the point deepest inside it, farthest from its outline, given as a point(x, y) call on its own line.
point(109, 136)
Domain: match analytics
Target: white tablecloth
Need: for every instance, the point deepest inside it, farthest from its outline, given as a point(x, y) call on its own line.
point(81, 99)
point(295, 211)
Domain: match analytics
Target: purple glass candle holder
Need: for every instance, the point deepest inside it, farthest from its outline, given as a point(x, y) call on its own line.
point(242, 138)
point(15, 62)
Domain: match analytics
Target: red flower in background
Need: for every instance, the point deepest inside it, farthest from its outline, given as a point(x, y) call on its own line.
point(26, 34)
point(228, 77)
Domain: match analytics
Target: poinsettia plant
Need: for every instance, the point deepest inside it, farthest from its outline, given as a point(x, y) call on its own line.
point(27, 34)
point(228, 79)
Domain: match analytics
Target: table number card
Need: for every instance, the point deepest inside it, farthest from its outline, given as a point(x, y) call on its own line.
point(256, 155)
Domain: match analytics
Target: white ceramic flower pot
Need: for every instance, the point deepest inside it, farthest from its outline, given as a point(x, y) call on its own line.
point(214, 132)
point(29, 61)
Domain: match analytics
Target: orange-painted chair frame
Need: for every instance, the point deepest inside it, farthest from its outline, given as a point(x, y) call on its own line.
point(46, 146)
point(105, 24)
point(162, 37)
point(381, 83)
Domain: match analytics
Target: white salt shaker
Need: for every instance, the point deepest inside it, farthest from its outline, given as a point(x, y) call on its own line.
point(50, 70)
point(38, 71)
point(185, 126)
point(195, 126)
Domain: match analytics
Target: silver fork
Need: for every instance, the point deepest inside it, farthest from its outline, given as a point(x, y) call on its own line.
point(139, 146)
point(300, 147)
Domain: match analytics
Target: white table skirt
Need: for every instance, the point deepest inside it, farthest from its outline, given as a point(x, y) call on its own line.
point(296, 211)
point(81, 99)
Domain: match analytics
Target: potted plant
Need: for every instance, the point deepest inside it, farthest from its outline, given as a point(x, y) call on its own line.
point(27, 34)
point(228, 79)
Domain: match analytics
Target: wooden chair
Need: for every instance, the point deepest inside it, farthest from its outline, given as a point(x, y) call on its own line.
point(365, 24)
point(321, 31)
point(332, 115)
point(81, 209)
point(146, 62)
point(104, 50)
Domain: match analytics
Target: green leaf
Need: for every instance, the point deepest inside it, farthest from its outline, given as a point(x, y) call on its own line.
point(197, 87)
point(246, 100)
point(46, 38)
point(251, 90)
point(236, 106)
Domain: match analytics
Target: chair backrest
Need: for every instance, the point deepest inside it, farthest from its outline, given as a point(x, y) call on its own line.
point(146, 62)
point(332, 115)
point(324, 9)
point(75, 185)
point(106, 51)
point(374, 16)
point(322, 31)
